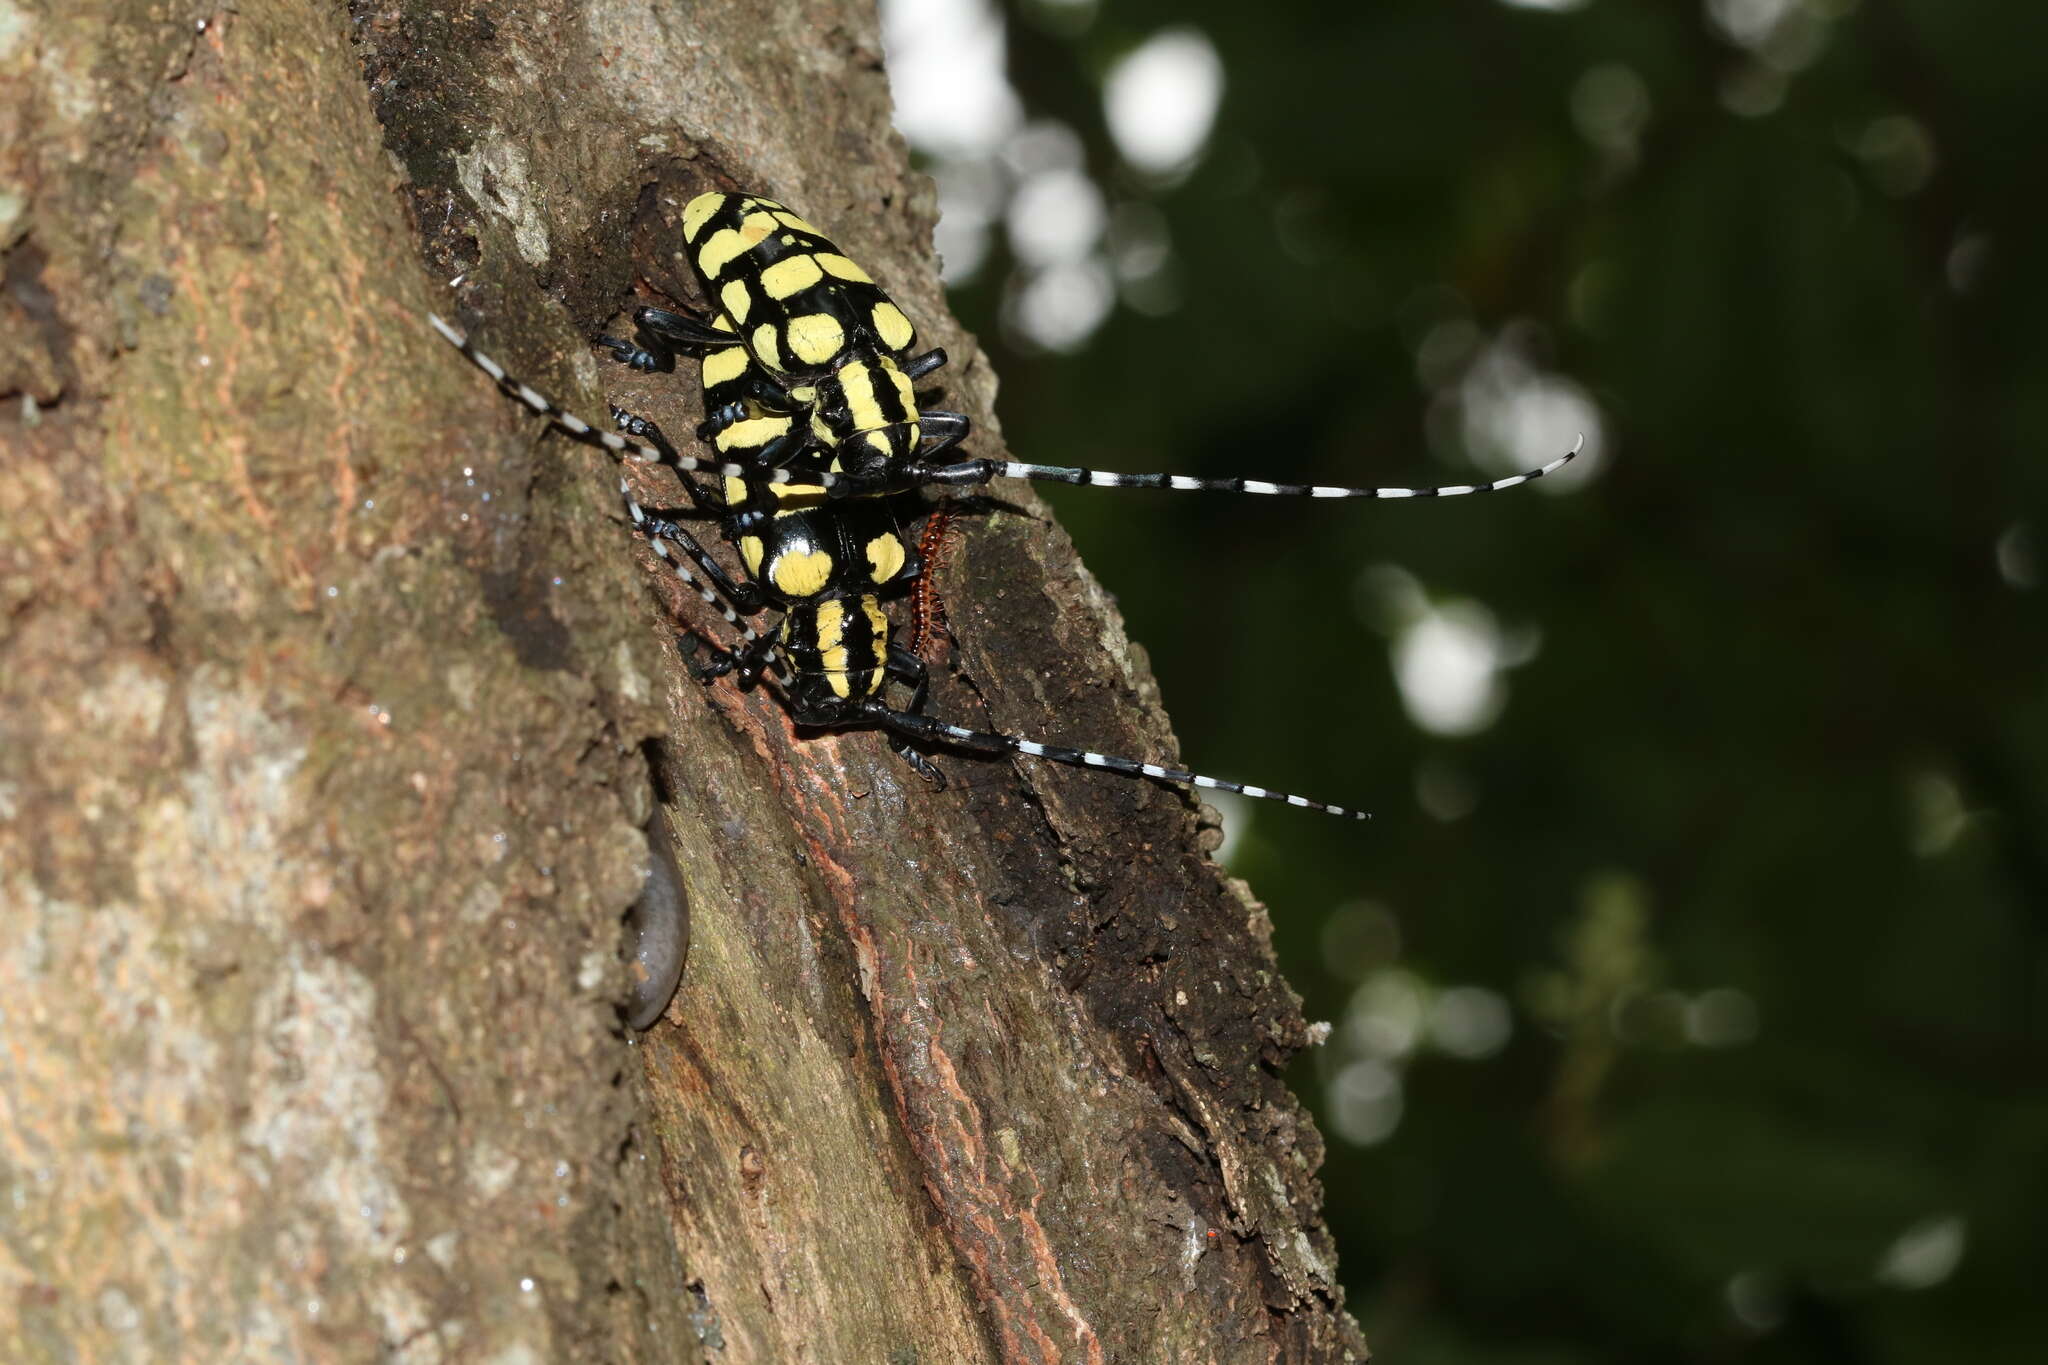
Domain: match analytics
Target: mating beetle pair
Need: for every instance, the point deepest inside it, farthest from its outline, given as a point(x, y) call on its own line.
point(808, 371)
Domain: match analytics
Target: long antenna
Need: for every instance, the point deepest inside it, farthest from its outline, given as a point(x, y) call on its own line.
point(964, 471)
point(618, 445)
point(938, 731)
point(973, 471)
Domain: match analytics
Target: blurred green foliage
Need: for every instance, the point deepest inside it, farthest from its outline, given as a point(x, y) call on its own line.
point(1753, 852)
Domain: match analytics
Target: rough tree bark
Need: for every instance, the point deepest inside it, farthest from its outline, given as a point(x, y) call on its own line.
point(332, 700)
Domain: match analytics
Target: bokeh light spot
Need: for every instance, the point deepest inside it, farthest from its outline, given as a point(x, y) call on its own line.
point(1897, 152)
point(1448, 666)
point(1756, 1300)
point(1360, 938)
point(1060, 307)
point(1925, 1254)
point(1161, 101)
point(1365, 1101)
point(1386, 1014)
point(1470, 1022)
point(946, 70)
point(1721, 1017)
point(1610, 106)
point(2018, 564)
point(1056, 218)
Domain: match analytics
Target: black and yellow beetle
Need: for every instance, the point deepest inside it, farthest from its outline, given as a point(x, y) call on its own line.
point(803, 354)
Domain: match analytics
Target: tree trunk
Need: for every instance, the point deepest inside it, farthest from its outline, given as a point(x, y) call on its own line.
point(334, 702)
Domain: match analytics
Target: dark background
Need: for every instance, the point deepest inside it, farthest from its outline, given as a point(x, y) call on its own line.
point(1749, 861)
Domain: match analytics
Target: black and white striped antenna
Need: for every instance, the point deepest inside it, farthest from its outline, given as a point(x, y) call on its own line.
point(940, 732)
point(972, 471)
point(962, 472)
point(619, 445)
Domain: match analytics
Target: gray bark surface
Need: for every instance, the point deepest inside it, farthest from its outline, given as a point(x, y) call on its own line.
point(333, 700)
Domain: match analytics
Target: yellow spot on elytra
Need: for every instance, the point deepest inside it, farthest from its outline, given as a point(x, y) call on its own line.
point(790, 220)
point(735, 491)
point(801, 573)
point(831, 623)
point(885, 557)
point(722, 367)
point(833, 661)
point(798, 493)
point(756, 227)
point(766, 347)
point(698, 212)
point(750, 554)
point(737, 299)
point(838, 265)
point(718, 251)
point(858, 381)
point(890, 324)
point(723, 323)
point(815, 338)
point(791, 275)
point(752, 434)
point(878, 622)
